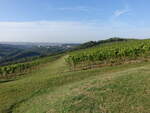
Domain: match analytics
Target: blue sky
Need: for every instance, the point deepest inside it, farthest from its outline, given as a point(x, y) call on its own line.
point(73, 20)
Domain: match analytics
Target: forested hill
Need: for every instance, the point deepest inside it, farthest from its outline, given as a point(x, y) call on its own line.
point(22, 52)
point(95, 43)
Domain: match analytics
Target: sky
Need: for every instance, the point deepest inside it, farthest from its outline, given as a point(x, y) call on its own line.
point(73, 20)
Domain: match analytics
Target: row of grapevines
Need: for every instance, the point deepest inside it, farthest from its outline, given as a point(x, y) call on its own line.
point(109, 52)
point(19, 68)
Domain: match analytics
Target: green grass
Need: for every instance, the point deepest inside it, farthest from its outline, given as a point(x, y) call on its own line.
point(53, 89)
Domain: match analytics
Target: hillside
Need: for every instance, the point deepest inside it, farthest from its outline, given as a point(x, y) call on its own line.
point(109, 54)
point(14, 52)
point(108, 78)
point(52, 89)
point(100, 42)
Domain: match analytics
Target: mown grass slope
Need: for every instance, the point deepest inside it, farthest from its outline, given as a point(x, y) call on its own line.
point(53, 89)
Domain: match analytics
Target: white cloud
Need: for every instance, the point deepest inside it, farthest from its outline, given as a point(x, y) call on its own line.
point(47, 31)
point(120, 12)
point(67, 31)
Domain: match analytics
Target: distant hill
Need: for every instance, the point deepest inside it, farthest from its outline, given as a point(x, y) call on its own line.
point(22, 52)
point(9, 50)
point(95, 43)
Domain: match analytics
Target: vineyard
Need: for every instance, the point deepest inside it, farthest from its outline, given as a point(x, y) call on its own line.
point(46, 85)
point(21, 68)
point(113, 53)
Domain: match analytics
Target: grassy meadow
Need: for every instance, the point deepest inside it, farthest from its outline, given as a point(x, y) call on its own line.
point(54, 89)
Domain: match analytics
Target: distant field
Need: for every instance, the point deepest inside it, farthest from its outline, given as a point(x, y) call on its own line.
point(53, 89)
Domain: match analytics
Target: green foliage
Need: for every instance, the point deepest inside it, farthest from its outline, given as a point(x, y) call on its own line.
point(95, 43)
point(20, 68)
point(12, 54)
point(52, 89)
point(109, 53)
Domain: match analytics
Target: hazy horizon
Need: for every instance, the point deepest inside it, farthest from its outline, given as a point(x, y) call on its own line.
point(42, 42)
point(5, 42)
point(72, 21)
